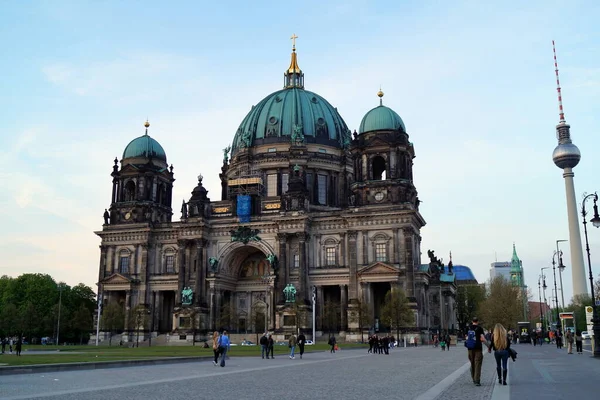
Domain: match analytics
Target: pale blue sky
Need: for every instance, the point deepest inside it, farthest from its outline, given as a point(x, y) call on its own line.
point(473, 83)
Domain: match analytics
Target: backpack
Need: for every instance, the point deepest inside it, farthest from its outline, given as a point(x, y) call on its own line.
point(471, 340)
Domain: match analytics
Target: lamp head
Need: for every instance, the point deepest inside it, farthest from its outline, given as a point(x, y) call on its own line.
point(596, 220)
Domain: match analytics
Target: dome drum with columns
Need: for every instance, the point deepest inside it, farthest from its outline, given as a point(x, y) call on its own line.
point(302, 203)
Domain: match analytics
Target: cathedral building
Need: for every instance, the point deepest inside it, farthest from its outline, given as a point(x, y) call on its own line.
point(307, 210)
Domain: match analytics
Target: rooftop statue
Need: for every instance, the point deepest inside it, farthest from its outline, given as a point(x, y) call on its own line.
point(290, 293)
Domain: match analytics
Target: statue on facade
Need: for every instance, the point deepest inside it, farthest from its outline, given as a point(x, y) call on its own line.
point(297, 136)
point(226, 151)
point(244, 234)
point(289, 293)
point(106, 216)
point(272, 259)
point(246, 139)
point(184, 210)
point(214, 263)
point(186, 296)
point(352, 200)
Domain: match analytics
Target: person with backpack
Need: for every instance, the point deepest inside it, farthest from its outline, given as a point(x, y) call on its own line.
point(474, 344)
point(500, 343)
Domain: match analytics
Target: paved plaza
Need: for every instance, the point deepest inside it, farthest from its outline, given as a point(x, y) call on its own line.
point(422, 373)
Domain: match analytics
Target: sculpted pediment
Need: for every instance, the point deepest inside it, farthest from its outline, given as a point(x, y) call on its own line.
point(378, 268)
point(116, 278)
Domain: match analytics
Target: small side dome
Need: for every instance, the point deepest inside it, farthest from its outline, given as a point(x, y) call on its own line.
point(381, 118)
point(145, 147)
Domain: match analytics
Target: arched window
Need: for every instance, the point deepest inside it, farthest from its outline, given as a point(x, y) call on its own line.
point(129, 191)
point(124, 258)
point(378, 168)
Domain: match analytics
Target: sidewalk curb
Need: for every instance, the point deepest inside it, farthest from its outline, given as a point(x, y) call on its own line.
point(79, 366)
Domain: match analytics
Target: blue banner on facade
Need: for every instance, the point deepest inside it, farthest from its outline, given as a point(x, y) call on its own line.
point(244, 206)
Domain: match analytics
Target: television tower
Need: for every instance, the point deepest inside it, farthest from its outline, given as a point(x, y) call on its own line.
point(566, 156)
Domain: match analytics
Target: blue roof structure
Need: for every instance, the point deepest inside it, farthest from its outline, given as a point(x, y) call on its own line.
point(463, 273)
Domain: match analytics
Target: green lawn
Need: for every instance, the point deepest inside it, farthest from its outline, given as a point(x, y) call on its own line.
point(68, 354)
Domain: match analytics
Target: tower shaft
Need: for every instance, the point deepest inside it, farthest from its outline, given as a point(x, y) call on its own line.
point(577, 266)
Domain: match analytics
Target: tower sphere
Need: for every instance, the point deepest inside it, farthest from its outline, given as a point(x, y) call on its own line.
point(566, 155)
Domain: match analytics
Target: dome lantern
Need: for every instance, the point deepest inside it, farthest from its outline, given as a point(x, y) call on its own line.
point(293, 76)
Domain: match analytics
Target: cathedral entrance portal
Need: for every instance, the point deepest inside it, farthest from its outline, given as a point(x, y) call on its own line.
point(379, 290)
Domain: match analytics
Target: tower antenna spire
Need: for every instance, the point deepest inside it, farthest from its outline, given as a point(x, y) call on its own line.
point(561, 112)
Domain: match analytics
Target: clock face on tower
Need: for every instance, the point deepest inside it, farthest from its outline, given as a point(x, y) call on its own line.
point(379, 196)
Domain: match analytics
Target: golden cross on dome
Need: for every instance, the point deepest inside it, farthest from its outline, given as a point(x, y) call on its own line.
point(294, 37)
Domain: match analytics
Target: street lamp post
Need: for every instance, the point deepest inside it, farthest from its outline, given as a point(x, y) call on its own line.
point(540, 295)
point(314, 313)
point(98, 318)
point(596, 222)
point(561, 268)
point(544, 289)
point(558, 325)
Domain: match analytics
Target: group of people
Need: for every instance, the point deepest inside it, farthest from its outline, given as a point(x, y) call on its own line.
point(443, 341)
point(381, 344)
point(267, 345)
point(10, 342)
point(498, 342)
point(220, 345)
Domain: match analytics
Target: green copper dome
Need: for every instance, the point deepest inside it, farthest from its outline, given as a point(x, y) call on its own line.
point(292, 112)
point(381, 118)
point(144, 146)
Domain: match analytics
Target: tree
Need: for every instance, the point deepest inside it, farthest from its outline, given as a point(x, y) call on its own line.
point(395, 310)
point(112, 319)
point(258, 318)
point(9, 320)
point(503, 304)
point(361, 315)
point(138, 321)
point(82, 321)
point(300, 313)
point(468, 298)
point(227, 316)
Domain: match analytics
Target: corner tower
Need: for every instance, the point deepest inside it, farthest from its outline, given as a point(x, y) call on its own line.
point(143, 186)
point(383, 157)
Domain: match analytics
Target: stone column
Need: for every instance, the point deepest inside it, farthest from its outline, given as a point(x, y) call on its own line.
point(283, 273)
point(144, 275)
point(127, 309)
point(303, 266)
point(212, 323)
point(102, 266)
point(218, 305)
point(188, 265)
point(199, 276)
point(319, 261)
point(181, 269)
point(353, 278)
point(408, 261)
point(343, 307)
point(320, 306)
point(365, 247)
point(396, 244)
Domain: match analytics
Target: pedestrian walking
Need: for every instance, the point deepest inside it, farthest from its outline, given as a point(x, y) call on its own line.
point(474, 343)
point(270, 345)
point(10, 345)
point(448, 340)
point(3, 340)
point(19, 345)
point(215, 347)
point(578, 342)
point(224, 346)
point(301, 343)
point(264, 342)
point(332, 343)
point(500, 343)
point(292, 345)
point(570, 341)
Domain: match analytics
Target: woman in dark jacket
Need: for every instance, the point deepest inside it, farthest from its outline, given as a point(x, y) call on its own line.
point(501, 345)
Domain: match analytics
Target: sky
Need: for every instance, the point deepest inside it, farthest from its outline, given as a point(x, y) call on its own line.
point(473, 82)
